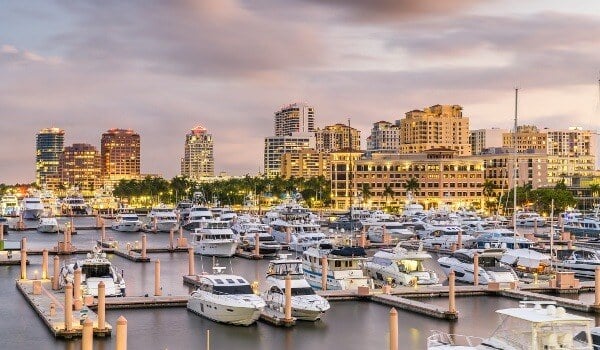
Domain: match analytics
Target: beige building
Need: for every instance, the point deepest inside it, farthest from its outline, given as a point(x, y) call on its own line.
point(434, 127)
point(528, 137)
point(79, 166)
point(482, 139)
point(573, 142)
point(304, 163)
point(337, 137)
point(277, 146)
point(198, 157)
point(295, 117)
point(385, 137)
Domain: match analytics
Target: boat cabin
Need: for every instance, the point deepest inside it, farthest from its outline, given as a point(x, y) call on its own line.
point(224, 284)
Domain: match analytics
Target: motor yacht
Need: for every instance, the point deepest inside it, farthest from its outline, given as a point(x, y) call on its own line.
point(401, 267)
point(9, 205)
point(32, 208)
point(306, 304)
point(528, 262)
point(530, 219)
point(224, 214)
point(395, 231)
point(443, 237)
point(197, 217)
point(498, 238)
point(226, 298)
point(163, 218)
point(491, 269)
point(183, 209)
point(580, 225)
point(48, 225)
point(582, 261)
point(95, 268)
point(246, 232)
point(215, 238)
point(531, 326)
point(127, 222)
point(104, 201)
point(299, 235)
point(344, 267)
point(74, 206)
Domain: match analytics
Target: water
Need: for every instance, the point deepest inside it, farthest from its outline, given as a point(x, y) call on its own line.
point(348, 325)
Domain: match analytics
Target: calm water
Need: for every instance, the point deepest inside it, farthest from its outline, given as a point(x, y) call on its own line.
point(348, 325)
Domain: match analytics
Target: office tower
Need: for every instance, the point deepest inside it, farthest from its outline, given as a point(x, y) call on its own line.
point(198, 159)
point(80, 167)
point(276, 146)
point(49, 146)
point(120, 155)
point(385, 137)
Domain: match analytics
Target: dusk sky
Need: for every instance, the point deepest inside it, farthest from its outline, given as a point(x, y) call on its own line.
point(162, 67)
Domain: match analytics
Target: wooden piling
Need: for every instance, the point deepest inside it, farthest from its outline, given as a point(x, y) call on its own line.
point(157, 289)
point(288, 298)
point(55, 276)
point(476, 269)
point(144, 242)
point(393, 329)
point(171, 234)
point(191, 267)
point(23, 264)
point(597, 287)
point(121, 333)
point(101, 306)
point(324, 268)
point(459, 240)
point(87, 339)
point(256, 244)
point(44, 264)
point(77, 299)
point(1, 232)
point(451, 292)
point(69, 307)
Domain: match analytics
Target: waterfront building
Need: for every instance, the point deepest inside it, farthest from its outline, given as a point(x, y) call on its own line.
point(333, 138)
point(482, 139)
point(48, 148)
point(120, 155)
point(304, 163)
point(198, 158)
point(277, 146)
point(573, 142)
point(294, 118)
point(439, 126)
point(385, 137)
point(528, 137)
point(80, 167)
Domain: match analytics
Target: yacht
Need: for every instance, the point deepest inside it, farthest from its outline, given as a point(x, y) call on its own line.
point(48, 225)
point(74, 206)
point(396, 232)
point(582, 261)
point(197, 217)
point(165, 218)
point(580, 225)
point(183, 208)
point(528, 262)
point(95, 268)
point(226, 298)
point(127, 222)
point(491, 269)
point(531, 326)
point(214, 239)
point(530, 219)
point(289, 211)
point(9, 205)
point(224, 214)
point(401, 267)
point(306, 304)
point(104, 201)
point(344, 267)
point(301, 234)
point(498, 238)
point(443, 237)
point(246, 232)
point(50, 202)
point(32, 207)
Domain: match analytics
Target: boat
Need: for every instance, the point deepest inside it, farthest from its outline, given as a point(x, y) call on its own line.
point(104, 201)
point(344, 267)
point(246, 232)
point(530, 219)
point(214, 239)
point(226, 299)
point(224, 214)
point(197, 217)
point(582, 261)
point(183, 209)
point(491, 269)
point(498, 238)
point(306, 304)
point(396, 232)
point(528, 263)
point(32, 207)
point(531, 326)
point(299, 235)
point(443, 237)
point(162, 218)
point(9, 205)
point(127, 222)
point(580, 225)
point(401, 267)
point(50, 202)
point(48, 225)
point(95, 268)
point(74, 205)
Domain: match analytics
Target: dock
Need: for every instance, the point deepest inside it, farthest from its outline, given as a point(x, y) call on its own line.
point(276, 318)
point(54, 315)
point(144, 302)
point(414, 306)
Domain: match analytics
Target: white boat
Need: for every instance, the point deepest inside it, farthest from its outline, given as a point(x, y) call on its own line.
point(530, 219)
point(582, 261)
point(75, 205)
point(224, 214)
point(498, 238)
point(214, 239)
point(491, 269)
point(396, 231)
point(528, 327)
point(163, 218)
point(443, 237)
point(528, 262)
point(95, 268)
point(581, 225)
point(299, 235)
point(50, 202)
point(9, 205)
point(401, 267)
point(226, 298)
point(306, 304)
point(48, 225)
point(197, 217)
point(32, 208)
point(183, 208)
point(127, 222)
point(104, 201)
point(344, 267)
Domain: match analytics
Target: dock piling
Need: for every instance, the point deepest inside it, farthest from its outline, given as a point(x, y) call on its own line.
point(191, 267)
point(325, 268)
point(288, 298)
point(68, 307)
point(208, 339)
point(451, 292)
point(157, 289)
point(597, 287)
point(77, 300)
point(87, 339)
point(24, 243)
point(1, 232)
point(56, 267)
point(476, 269)
point(45, 264)
point(171, 234)
point(257, 244)
point(101, 306)
point(393, 329)
point(121, 333)
point(103, 238)
point(459, 240)
point(23, 264)
point(144, 242)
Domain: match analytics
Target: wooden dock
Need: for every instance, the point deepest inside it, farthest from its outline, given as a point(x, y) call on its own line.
point(143, 302)
point(276, 318)
point(414, 306)
point(56, 322)
point(564, 302)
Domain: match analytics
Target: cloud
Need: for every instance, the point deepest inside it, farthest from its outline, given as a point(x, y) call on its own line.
point(10, 54)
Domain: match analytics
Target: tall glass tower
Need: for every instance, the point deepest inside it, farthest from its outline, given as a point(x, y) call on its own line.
point(48, 147)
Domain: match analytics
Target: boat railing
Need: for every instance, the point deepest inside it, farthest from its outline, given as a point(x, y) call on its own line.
point(438, 338)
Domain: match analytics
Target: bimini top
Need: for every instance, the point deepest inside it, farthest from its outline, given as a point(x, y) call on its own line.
point(538, 314)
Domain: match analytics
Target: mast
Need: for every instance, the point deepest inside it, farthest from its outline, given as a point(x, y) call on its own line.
point(350, 177)
point(515, 171)
point(551, 232)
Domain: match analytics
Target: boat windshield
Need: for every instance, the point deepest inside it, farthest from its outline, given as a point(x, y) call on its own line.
point(130, 218)
point(302, 291)
point(488, 261)
point(239, 289)
point(100, 270)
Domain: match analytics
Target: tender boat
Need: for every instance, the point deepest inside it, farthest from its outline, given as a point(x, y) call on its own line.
point(528, 327)
point(163, 218)
point(491, 269)
point(197, 217)
point(226, 299)
point(74, 206)
point(214, 239)
point(401, 266)
point(306, 304)
point(582, 261)
point(127, 222)
point(95, 268)
point(48, 225)
point(9, 205)
point(32, 208)
point(344, 267)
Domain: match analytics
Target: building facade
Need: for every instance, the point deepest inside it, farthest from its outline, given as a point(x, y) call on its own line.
point(120, 155)
point(384, 137)
point(294, 118)
point(333, 138)
point(277, 146)
point(49, 145)
point(573, 142)
point(482, 139)
point(528, 138)
point(304, 163)
point(198, 157)
point(434, 127)
point(80, 167)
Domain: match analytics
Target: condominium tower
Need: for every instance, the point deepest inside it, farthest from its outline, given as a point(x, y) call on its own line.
point(48, 146)
point(120, 155)
point(80, 167)
point(337, 137)
point(482, 139)
point(385, 137)
point(198, 159)
point(296, 117)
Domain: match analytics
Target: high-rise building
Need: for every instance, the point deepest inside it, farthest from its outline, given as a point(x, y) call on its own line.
point(48, 145)
point(385, 137)
point(80, 167)
point(198, 159)
point(276, 146)
point(528, 137)
point(573, 142)
point(305, 163)
point(333, 138)
point(485, 138)
point(434, 127)
point(296, 117)
point(120, 153)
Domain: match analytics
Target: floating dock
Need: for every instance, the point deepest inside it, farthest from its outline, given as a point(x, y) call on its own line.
point(414, 306)
point(276, 318)
point(143, 302)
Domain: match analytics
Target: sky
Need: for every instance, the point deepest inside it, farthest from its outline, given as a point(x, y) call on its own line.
point(163, 67)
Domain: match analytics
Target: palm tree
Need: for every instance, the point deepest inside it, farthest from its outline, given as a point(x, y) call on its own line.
point(595, 190)
point(388, 191)
point(412, 185)
point(365, 191)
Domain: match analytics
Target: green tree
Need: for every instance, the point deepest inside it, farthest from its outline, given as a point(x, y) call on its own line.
point(365, 191)
point(543, 197)
point(412, 185)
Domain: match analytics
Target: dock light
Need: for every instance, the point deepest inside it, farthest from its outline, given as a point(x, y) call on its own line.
point(35, 274)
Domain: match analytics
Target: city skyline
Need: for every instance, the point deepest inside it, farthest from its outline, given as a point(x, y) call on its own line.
point(86, 68)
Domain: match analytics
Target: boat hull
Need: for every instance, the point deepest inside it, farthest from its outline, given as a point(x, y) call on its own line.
point(32, 214)
point(225, 249)
point(235, 315)
point(48, 228)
